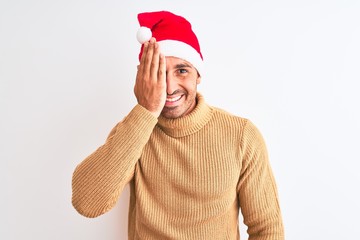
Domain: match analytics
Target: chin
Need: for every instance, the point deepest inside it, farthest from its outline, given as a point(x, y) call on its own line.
point(171, 115)
point(178, 111)
point(173, 112)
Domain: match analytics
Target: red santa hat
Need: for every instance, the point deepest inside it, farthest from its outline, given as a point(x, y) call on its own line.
point(173, 34)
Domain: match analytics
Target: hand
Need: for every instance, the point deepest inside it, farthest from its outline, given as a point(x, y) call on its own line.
point(150, 86)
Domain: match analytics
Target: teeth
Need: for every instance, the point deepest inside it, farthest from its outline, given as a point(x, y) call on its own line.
point(173, 99)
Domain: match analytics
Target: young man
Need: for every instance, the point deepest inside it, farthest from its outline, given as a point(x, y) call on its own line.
point(190, 166)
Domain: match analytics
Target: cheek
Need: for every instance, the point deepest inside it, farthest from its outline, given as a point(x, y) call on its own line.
point(191, 83)
point(191, 91)
point(190, 86)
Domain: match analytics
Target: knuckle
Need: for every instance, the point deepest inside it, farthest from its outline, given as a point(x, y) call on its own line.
point(161, 72)
point(153, 64)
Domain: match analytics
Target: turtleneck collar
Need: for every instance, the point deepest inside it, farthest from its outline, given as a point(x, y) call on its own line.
point(188, 124)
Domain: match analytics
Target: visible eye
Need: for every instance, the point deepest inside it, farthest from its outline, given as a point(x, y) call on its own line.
point(183, 70)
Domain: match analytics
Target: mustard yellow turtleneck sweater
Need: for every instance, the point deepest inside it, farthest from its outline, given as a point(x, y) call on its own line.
point(188, 177)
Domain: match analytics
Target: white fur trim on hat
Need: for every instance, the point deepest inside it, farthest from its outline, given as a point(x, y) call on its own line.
point(173, 48)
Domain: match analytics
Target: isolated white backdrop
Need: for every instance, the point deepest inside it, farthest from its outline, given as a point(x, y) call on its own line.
point(67, 71)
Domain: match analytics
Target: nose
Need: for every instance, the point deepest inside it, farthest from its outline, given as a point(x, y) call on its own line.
point(171, 84)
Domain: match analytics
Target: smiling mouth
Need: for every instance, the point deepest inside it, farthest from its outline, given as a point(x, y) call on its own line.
point(174, 99)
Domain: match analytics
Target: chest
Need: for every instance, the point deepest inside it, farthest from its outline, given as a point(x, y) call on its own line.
point(205, 166)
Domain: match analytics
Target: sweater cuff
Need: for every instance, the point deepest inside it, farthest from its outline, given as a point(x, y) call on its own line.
point(140, 119)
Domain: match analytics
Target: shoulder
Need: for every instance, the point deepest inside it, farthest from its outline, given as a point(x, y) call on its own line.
point(244, 126)
point(221, 115)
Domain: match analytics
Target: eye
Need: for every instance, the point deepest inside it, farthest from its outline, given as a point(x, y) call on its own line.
point(183, 70)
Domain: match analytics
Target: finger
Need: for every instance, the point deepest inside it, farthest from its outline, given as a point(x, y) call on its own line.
point(143, 55)
point(142, 60)
point(155, 63)
point(148, 58)
point(162, 69)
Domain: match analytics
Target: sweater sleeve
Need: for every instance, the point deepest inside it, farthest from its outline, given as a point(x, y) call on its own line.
point(257, 191)
point(100, 178)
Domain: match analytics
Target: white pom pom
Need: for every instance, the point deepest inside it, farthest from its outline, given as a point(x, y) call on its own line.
point(143, 35)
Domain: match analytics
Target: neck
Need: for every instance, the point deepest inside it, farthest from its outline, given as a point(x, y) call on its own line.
point(190, 123)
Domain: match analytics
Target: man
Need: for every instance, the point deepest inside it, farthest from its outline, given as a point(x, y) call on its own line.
point(190, 166)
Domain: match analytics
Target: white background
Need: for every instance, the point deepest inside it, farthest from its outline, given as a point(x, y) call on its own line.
point(67, 70)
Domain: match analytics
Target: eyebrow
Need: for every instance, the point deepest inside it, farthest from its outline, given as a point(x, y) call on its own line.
point(183, 65)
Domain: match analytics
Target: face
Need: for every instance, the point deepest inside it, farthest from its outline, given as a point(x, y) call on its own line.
point(182, 79)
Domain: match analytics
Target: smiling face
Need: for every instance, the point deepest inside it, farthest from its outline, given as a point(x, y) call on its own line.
point(182, 79)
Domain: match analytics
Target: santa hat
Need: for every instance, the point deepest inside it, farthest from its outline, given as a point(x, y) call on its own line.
point(173, 34)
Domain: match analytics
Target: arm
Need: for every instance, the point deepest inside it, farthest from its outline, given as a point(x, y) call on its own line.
point(257, 190)
point(98, 181)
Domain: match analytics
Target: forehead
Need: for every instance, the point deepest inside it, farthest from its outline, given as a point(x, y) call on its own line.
point(176, 62)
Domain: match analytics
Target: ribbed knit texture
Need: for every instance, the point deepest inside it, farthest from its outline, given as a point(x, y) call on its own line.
point(188, 177)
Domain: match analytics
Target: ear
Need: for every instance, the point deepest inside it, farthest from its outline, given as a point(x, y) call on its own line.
point(198, 80)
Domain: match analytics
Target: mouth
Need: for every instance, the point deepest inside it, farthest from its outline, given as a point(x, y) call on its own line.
point(171, 101)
